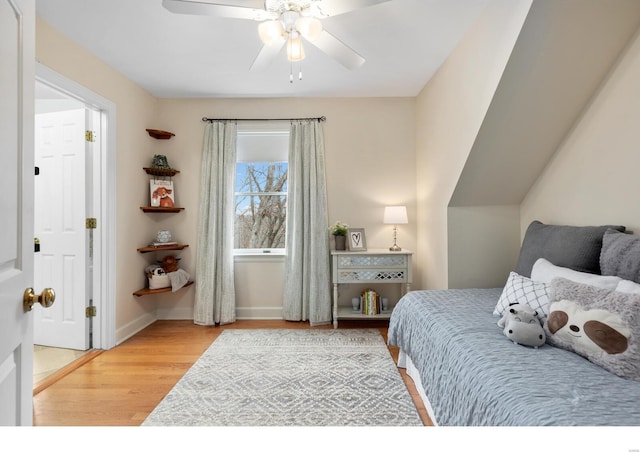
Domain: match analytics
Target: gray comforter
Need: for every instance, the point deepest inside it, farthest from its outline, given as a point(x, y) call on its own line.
point(473, 375)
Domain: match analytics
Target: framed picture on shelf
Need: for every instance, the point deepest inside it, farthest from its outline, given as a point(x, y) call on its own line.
point(356, 240)
point(162, 193)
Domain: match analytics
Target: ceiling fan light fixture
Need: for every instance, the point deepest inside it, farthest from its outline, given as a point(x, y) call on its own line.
point(270, 31)
point(295, 50)
point(280, 6)
point(309, 27)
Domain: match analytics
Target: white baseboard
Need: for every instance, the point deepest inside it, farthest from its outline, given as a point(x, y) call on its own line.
point(260, 313)
point(131, 328)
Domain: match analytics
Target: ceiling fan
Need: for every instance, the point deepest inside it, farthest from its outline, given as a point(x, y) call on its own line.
point(284, 22)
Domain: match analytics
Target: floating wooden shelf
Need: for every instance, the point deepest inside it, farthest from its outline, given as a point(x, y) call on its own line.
point(147, 291)
point(150, 249)
point(161, 171)
point(161, 209)
point(160, 134)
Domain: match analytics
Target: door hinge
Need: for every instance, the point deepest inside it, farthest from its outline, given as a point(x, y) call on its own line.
point(89, 136)
point(91, 223)
point(91, 311)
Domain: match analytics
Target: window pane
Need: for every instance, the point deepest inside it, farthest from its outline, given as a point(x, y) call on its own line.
point(261, 177)
point(260, 221)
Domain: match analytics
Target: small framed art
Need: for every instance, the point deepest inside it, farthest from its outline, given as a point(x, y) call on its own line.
point(162, 193)
point(356, 240)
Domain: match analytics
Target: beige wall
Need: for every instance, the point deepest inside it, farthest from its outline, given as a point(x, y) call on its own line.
point(484, 242)
point(450, 111)
point(369, 155)
point(372, 146)
point(370, 151)
point(593, 177)
point(544, 83)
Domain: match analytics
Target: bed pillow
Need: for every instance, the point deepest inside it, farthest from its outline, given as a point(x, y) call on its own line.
point(627, 286)
point(519, 289)
point(620, 255)
point(544, 271)
point(574, 247)
point(601, 325)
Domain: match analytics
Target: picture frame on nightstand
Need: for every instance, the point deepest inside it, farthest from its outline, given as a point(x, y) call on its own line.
point(356, 239)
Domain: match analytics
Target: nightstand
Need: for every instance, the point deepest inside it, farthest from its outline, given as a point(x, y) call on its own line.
point(376, 266)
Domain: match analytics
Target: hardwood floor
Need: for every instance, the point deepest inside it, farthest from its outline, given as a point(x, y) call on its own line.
point(121, 386)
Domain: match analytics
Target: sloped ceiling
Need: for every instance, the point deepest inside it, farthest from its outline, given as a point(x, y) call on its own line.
point(563, 54)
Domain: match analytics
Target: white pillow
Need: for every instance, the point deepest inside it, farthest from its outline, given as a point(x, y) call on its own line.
point(627, 286)
point(544, 271)
point(520, 289)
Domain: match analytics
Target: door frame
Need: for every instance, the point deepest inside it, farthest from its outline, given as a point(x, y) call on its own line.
point(104, 208)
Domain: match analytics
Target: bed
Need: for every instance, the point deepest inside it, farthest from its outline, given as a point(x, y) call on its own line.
point(469, 374)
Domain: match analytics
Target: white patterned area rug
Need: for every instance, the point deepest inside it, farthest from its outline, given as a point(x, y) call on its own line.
point(290, 377)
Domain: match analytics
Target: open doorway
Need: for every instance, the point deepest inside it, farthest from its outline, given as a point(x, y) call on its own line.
point(62, 245)
point(74, 219)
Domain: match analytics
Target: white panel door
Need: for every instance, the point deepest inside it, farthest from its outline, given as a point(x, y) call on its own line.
point(60, 194)
point(17, 80)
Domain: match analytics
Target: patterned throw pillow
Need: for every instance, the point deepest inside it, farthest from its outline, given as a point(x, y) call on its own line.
point(519, 289)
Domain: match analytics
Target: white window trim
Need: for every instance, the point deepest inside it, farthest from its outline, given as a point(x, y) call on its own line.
point(259, 256)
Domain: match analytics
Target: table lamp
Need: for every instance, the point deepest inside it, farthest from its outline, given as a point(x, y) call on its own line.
point(395, 215)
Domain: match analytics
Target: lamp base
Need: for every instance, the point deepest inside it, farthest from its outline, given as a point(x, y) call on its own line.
point(395, 248)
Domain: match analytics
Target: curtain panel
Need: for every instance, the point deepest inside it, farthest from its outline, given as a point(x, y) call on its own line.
point(215, 299)
point(307, 267)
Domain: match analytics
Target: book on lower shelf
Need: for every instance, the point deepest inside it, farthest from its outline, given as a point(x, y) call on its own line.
point(161, 244)
point(370, 302)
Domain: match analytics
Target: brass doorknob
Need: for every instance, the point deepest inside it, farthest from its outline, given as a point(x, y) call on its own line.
point(46, 298)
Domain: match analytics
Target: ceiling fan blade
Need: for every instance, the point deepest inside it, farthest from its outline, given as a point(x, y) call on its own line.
point(338, 50)
point(267, 54)
point(214, 9)
point(335, 7)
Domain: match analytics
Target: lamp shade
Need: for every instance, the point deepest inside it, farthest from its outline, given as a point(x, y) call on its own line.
point(295, 50)
point(309, 27)
point(270, 30)
point(395, 215)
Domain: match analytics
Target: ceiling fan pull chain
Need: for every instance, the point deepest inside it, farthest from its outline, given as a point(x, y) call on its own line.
point(300, 74)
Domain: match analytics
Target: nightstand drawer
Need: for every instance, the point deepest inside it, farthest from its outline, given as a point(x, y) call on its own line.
point(374, 261)
point(368, 275)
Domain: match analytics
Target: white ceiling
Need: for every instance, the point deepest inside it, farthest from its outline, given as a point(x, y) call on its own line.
point(173, 55)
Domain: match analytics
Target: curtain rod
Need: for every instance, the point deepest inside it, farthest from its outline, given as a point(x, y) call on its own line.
point(321, 118)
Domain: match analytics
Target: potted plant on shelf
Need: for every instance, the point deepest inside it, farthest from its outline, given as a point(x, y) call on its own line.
point(339, 232)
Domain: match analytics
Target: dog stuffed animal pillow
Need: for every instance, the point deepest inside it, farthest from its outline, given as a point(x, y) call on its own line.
point(601, 325)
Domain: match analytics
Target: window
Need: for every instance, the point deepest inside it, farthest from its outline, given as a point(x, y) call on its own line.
point(261, 189)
